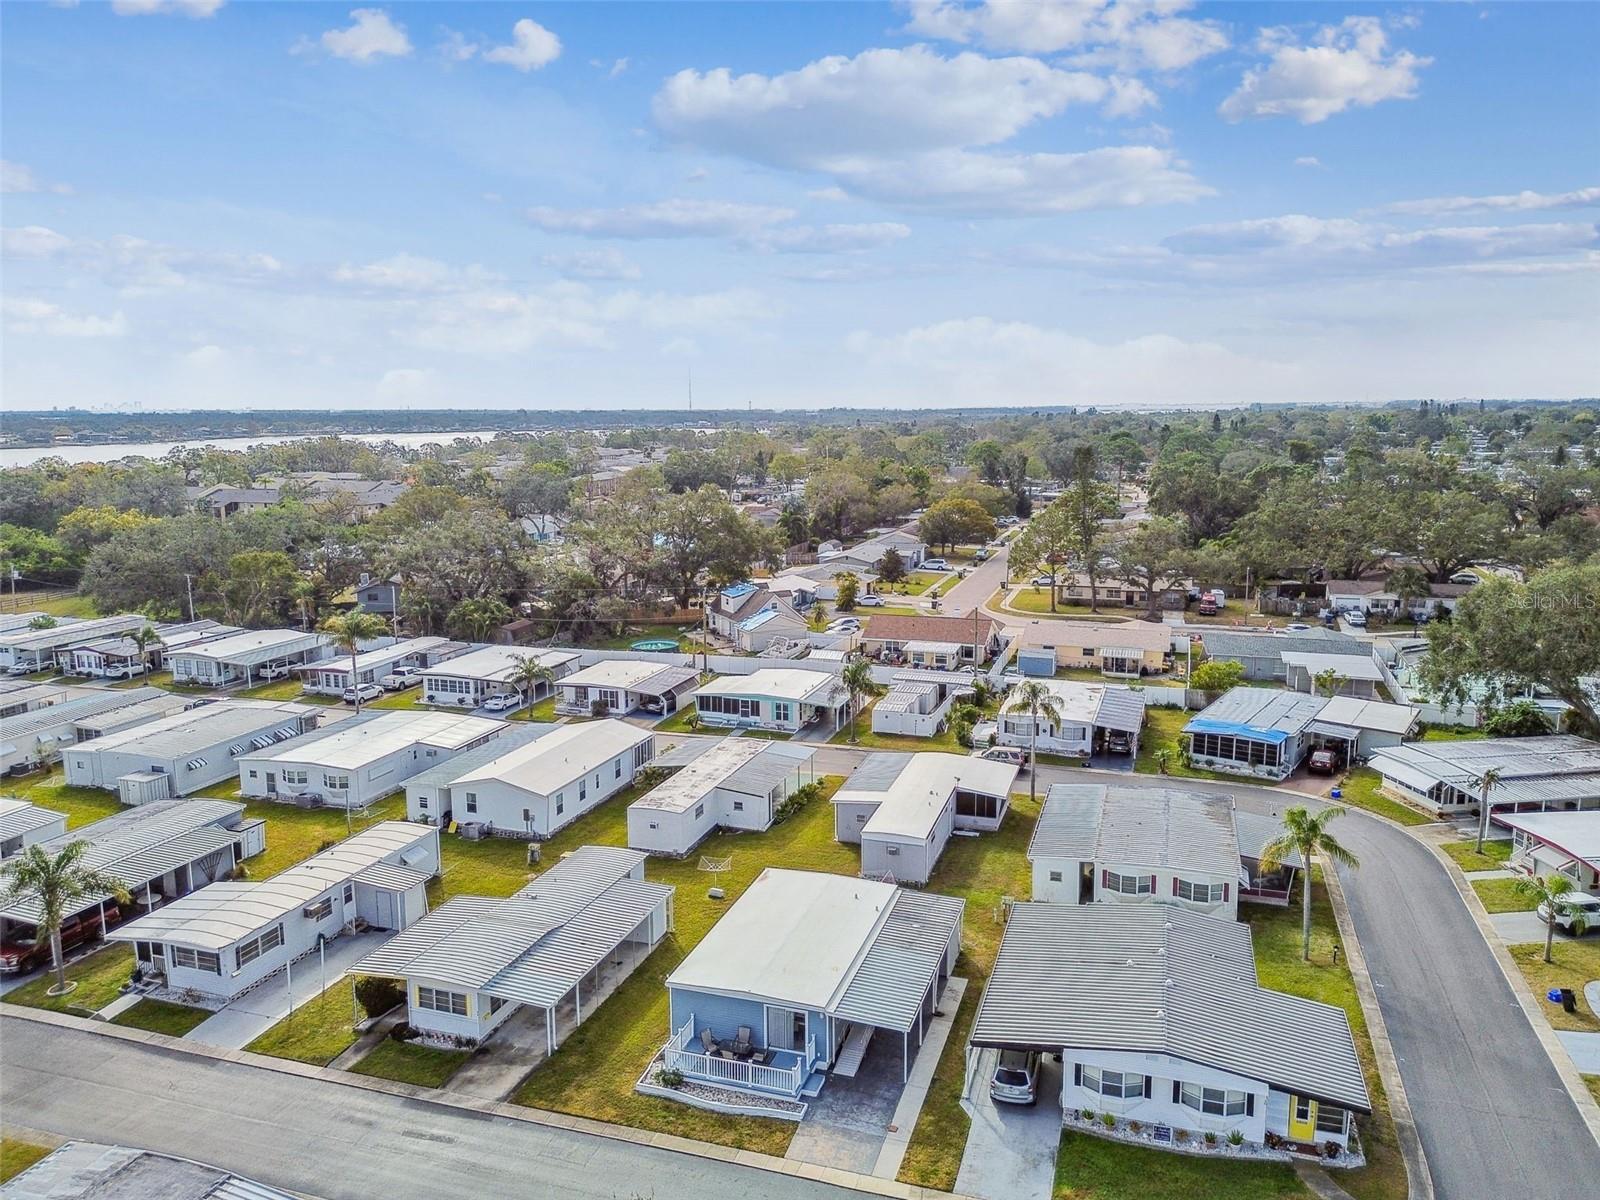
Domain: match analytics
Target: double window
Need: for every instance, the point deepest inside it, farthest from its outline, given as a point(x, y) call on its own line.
point(1129, 885)
point(295, 777)
point(439, 1000)
point(338, 783)
point(248, 952)
point(1121, 1085)
point(1216, 1102)
point(196, 960)
point(1200, 893)
point(782, 712)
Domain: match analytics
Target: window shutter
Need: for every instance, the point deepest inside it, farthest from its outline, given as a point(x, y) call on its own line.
point(1147, 1085)
point(1174, 885)
point(1077, 1074)
point(1224, 893)
point(1176, 1090)
point(1249, 1104)
point(1105, 877)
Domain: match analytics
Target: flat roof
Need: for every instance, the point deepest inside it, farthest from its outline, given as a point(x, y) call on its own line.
point(1268, 712)
point(1234, 643)
point(1138, 826)
point(751, 766)
point(220, 914)
point(782, 683)
point(1105, 705)
point(1351, 666)
point(254, 646)
point(558, 757)
point(67, 633)
point(510, 735)
point(1377, 715)
point(631, 674)
point(197, 728)
point(80, 1170)
point(495, 664)
point(1574, 833)
point(18, 817)
point(361, 740)
point(911, 790)
point(1550, 768)
point(151, 709)
point(1157, 979)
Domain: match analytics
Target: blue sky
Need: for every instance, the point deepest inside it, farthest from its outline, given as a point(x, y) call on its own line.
point(932, 203)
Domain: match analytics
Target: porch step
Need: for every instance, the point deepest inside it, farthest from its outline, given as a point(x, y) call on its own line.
point(853, 1051)
point(813, 1086)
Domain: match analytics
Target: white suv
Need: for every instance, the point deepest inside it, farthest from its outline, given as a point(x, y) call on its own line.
point(1577, 905)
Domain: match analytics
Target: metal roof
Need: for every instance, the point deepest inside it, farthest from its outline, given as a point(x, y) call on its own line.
point(71, 633)
point(370, 659)
point(1254, 712)
point(1103, 705)
point(750, 766)
point(391, 877)
point(902, 961)
point(511, 736)
point(779, 683)
point(1533, 769)
point(254, 646)
point(559, 757)
point(31, 724)
point(495, 664)
point(909, 803)
point(1231, 644)
point(1138, 826)
point(182, 733)
point(1351, 666)
point(359, 741)
point(18, 817)
point(1255, 830)
point(629, 674)
point(1158, 979)
point(1356, 713)
point(1574, 833)
point(92, 1171)
point(905, 696)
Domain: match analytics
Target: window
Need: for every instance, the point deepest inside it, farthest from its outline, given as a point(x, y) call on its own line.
point(1215, 1102)
point(472, 802)
point(1055, 876)
point(1120, 1084)
point(583, 789)
point(892, 851)
point(1302, 1109)
point(196, 960)
point(738, 806)
point(699, 811)
point(349, 893)
point(643, 752)
point(495, 1004)
point(1200, 893)
point(1128, 885)
point(782, 712)
point(561, 803)
point(439, 1000)
point(338, 783)
point(618, 771)
point(248, 952)
point(322, 908)
point(290, 775)
point(252, 771)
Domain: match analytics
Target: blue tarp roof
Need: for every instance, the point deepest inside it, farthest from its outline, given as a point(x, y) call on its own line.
point(760, 618)
point(1274, 737)
point(737, 590)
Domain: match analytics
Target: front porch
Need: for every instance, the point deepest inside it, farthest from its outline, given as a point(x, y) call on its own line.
point(789, 1073)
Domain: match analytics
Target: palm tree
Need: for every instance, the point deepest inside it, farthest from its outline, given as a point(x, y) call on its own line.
point(144, 639)
point(1554, 893)
point(348, 631)
point(1305, 833)
point(1487, 782)
point(856, 682)
point(817, 618)
point(57, 884)
point(528, 674)
point(1040, 701)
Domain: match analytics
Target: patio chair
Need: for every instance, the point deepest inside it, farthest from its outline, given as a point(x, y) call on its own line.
point(742, 1046)
point(708, 1042)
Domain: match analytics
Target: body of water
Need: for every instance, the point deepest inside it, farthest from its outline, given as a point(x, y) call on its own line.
point(111, 452)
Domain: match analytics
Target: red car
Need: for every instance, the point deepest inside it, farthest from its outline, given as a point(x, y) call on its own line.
point(24, 954)
point(1323, 762)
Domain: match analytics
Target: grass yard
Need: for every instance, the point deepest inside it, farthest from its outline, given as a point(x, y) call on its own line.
point(933, 1159)
point(408, 698)
point(1162, 727)
point(1501, 895)
point(1037, 600)
point(542, 710)
point(1576, 963)
point(17, 1156)
point(317, 1032)
point(1277, 936)
point(868, 740)
point(679, 722)
point(99, 977)
point(1360, 790)
point(641, 633)
point(295, 834)
point(1592, 1082)
point(56, 606)
point(282, 689)
point(768, 735)
point(914, 584)
point(1465, 855)
point(81, 804)
point(407, 1062)
point(159, 1016)
point(1092, 1168)
point(1452, 733)
point(160, 679)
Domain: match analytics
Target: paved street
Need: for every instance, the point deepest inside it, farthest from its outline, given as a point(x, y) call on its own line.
point(330, 1141)
point(981, 582)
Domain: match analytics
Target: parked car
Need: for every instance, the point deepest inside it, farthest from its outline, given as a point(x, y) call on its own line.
point(1420, 616)
point(368, 692)
point(1042, 581)
point(1356, 619)
point(981, 554)
point(503, 702)
point(401, 678)
point(275, 671)
point(870, 600)
point(127, 670)
point(1006, 754)
point(844, 625)
point(19, 669)
point(1016, 1077)
point(1322, 762)
point(24, 954)
point(1296, 627)
point(1119, 742)
point(1587, 907)
point(934, 564)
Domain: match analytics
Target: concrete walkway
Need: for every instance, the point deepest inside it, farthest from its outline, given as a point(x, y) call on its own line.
point(258, 1010)
point(1011, 1148)
point(915, 1095)
point(1584, 1048)
point(1520, 928)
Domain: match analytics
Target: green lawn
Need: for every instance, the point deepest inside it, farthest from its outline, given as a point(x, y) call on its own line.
point(283, 689)
point(641, 633)
point(81, 804)
point(1359, 789)
point(1452, 733)
point(17, 1156)
point(914, 584)
point(408, 698)
point(158, 1016)
point(99, 977)
point(1592, 1082)
point(317, 1032)
point(542, 710)
point(1576, 963)
point(1092, 1168)
point(56, 606)
point(160, 679)
point(1037, 600)
point(407, 1062)
point(946, 584)
point(1501, 896)
point(1465, 854)
point(868, 740)
point(933, 1159)
point(295, 834)
point(1277, 936)
point(1162, 727)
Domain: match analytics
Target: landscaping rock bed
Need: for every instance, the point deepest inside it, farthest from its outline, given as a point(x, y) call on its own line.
point(718, 1099)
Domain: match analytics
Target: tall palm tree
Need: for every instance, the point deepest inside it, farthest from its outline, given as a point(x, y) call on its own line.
point(348, 631)
point(856, 682)
point(1554, 892)
point(144, 639)
point(57, 884)
point(528, 674)
point(1305, 833)
point(1040, 701)
point(1487, 782)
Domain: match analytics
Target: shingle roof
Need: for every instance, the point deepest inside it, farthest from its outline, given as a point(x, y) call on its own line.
point(1157, 979)
point(886, 627)
point(1231, 644)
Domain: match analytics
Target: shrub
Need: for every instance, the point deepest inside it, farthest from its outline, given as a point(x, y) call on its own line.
point(404, 1033)
point(1109, 1120)
point(327, 844)
point(377, 996)
point(1088, 1115)
point(1180, 1136)
point(1235, 1137)
point(1135, 1127)
point(1273, 1140)
point(1211, 1138)
point(648, 777)
point(669, 1077)
point(796, 800)
point(1331, 1149)
point(598, 708)
point(240, 871)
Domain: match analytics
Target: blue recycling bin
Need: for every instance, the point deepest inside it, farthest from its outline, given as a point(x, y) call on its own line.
point(1338, 792)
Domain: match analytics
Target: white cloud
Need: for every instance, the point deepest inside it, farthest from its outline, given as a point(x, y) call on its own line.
point(662, 219)
point(605, 262)
point(25, 315)
point(16, 177)
point(409, 273)
point(1524, 201)
point(187, 8)
point(456, 46)
point(1308, 160)
point(32, 241)
point(406, 385)
point(902, 126)
point(371, 35)
point(832, 239)
point(1347, 65)
point(532, 46)
point(1132, 34)
point(829, 194)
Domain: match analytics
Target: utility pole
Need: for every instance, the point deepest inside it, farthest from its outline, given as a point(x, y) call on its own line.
point(188, 582)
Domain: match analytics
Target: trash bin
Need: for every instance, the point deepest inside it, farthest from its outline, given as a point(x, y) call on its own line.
point(1337, 792)
point(1569, 1000)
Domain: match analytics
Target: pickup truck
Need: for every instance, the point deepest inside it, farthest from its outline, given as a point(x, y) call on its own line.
point(24, 954)
point(401, 678)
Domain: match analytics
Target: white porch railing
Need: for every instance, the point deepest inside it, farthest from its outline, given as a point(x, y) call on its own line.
point(731, 1071)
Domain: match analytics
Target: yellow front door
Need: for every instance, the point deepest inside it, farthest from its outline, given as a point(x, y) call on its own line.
point(1302, 1119)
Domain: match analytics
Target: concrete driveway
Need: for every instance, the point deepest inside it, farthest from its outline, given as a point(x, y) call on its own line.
point(846, 1125)
point(1011, 1149)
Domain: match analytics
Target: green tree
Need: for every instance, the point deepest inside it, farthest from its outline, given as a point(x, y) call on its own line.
point(528, 673)
point(1087, 502)
point(849, 588)
point(58, 885)
point(1150, 557)
point(82, 529)
point(1520, 718)
point(1217, 675)
point(1553, 893)
point(950, 523)
point(984, 457)
point(856, 682)
point(1487, 782)
point(1328, 682)
point(348, 631)
point(477, 619)
point(1038, 701)
point(258, 586)
point(1046, 543)
point(701, 532)
point(1305, 834)
point(1124, 452)
point(144, 638)
point(1451, 530)
point(891, 567)
point(1409, 584)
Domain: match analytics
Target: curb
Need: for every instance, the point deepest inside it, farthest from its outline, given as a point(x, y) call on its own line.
point(513, 1112)
point(1419, 1179)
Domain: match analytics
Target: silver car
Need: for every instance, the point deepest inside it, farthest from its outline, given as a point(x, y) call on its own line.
point(1016, 1077)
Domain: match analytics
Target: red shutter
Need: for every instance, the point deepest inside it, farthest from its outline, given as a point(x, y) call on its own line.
point(1174, 885)
point(1224, 893)
point(1105, 878)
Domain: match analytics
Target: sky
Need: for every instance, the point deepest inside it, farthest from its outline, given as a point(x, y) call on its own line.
point(1144, 203)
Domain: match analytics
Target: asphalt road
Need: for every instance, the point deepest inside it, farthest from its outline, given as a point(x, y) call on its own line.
point(326, 1140)
point(982, 581)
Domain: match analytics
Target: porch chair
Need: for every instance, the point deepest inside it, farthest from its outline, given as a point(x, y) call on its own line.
point(708, 1042)
point(742, 1047)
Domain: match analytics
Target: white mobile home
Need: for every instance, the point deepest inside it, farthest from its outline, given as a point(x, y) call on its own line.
point(121, 657)
point(785, 699)
point(180, 754)
point(331, 676)
point(36, 738)
point(1087, 715)
point(618, 686)
point(565, 939)
point(242, 657)
point(363, 759)
point(428, 791)
point(1557, 843)
point(23, 651)
point(23, 824)
point(916, 705)
point(224, 940)
point(1559, 772)
point(902, 809)
point(734, 783)
point(467, 680)
point(534, 790)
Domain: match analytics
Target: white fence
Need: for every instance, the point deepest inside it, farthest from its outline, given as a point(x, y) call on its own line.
point(732, 1071)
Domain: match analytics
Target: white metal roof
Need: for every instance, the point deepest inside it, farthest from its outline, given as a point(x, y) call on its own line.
point(933, 647)
point(1574, 833)
point(18, 817)
point(221, 914)
point(1159, 979)
point(254, 646)
point(751, 766)
point(559, 757)
point(628, 674)
point(778, 683)
point(1351, 666)
point(369, 659)
point(910, 800)
point(354, 743)
point(71, 633)
point(495, 664)
point(1105, 705)
point(1138, 826)
point(1375, 715)
point(197, 728)
point(68, 712)
point(888, 985)
point(1532, 769)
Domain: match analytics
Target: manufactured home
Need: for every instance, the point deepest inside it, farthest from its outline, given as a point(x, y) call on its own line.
point(618, 686)
point(23, 824)
point(467, 680)
point(1558, 772)
point(731, 783)
point(35, 739)
point(1087, 716)
point(247, 658)
point(23, 651)
point(782, 699)
point(1120, 650)
point(332, 676)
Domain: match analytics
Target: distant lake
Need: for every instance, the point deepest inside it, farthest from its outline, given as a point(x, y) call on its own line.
point(111, 451)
